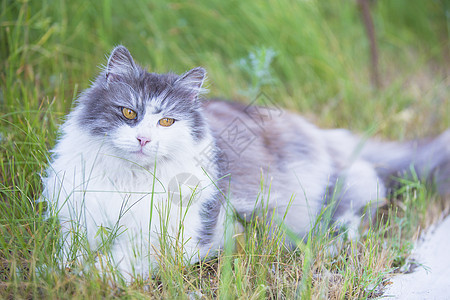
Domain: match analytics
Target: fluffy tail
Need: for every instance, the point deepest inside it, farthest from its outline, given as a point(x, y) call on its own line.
point(428, 159)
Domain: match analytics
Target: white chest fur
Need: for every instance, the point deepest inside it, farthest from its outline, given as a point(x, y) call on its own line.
point(105, 198)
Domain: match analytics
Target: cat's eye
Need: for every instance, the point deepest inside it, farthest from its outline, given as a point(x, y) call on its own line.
point(129, 113)
point(166, 122)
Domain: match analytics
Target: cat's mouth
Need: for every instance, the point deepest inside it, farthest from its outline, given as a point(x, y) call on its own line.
point(140, 152)
point(143, 152)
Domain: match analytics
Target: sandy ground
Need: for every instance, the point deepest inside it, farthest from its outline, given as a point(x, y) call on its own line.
point(431, 279)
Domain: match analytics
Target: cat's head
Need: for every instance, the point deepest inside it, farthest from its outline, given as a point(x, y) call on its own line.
point(143, 116)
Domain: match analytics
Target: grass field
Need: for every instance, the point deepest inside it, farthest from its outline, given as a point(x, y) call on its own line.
point(311, 56)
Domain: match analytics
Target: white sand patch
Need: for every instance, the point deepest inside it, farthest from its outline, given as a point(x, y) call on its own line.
point(431, 279)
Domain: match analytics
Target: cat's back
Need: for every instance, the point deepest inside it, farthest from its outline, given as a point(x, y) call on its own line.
point(267, 133)
point(268, 154)
point(268, 144)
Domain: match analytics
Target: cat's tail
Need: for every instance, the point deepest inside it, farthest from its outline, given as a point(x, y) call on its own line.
point(429, 160)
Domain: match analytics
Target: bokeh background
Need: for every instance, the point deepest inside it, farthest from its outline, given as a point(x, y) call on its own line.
point(310, 56)
point(316, 54)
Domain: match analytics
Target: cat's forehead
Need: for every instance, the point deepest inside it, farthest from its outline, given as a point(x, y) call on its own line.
point(159, 81)
point(152, 84)
point(150, 90)
point(151, 93)
point(160, 93)
point(154, 107)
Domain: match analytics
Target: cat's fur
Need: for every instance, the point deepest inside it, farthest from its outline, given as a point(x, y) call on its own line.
point(102, 180)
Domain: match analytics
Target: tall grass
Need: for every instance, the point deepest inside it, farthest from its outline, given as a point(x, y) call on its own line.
point(51, 49)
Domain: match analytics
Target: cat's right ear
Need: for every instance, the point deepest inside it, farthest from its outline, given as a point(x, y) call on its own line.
point(120, 63)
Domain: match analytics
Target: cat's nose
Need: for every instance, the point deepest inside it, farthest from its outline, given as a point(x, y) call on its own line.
point(143, 140)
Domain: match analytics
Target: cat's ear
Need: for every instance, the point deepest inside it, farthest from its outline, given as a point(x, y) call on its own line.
point(193, 80)
point(120, 63)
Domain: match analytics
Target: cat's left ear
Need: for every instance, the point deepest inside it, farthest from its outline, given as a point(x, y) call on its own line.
point(120, 64)
point(193, 80)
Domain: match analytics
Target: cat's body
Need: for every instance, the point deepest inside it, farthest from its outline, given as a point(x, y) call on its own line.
point(134, 137)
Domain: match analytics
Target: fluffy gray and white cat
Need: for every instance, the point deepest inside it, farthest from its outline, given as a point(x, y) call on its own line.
point(143, 159)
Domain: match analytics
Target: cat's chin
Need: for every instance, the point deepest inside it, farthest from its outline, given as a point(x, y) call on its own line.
point(143, 159)
point(141, 155)
point(138, 157)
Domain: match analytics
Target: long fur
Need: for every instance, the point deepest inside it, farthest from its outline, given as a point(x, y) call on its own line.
point(102, 179)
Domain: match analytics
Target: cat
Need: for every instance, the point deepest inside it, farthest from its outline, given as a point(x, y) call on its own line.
point(142, 160)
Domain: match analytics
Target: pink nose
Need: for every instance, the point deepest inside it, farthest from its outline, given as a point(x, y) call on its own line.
point(143, 140)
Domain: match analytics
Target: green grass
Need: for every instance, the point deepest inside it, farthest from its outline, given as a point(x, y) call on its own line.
point(50, 50)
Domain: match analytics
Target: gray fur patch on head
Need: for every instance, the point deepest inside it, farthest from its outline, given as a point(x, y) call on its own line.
point(124, 83)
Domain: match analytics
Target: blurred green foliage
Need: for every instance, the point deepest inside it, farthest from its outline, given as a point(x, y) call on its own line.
point(310, 56)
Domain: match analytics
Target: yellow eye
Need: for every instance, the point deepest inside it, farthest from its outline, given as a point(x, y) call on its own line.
point(129, 113)
point(166, 122)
